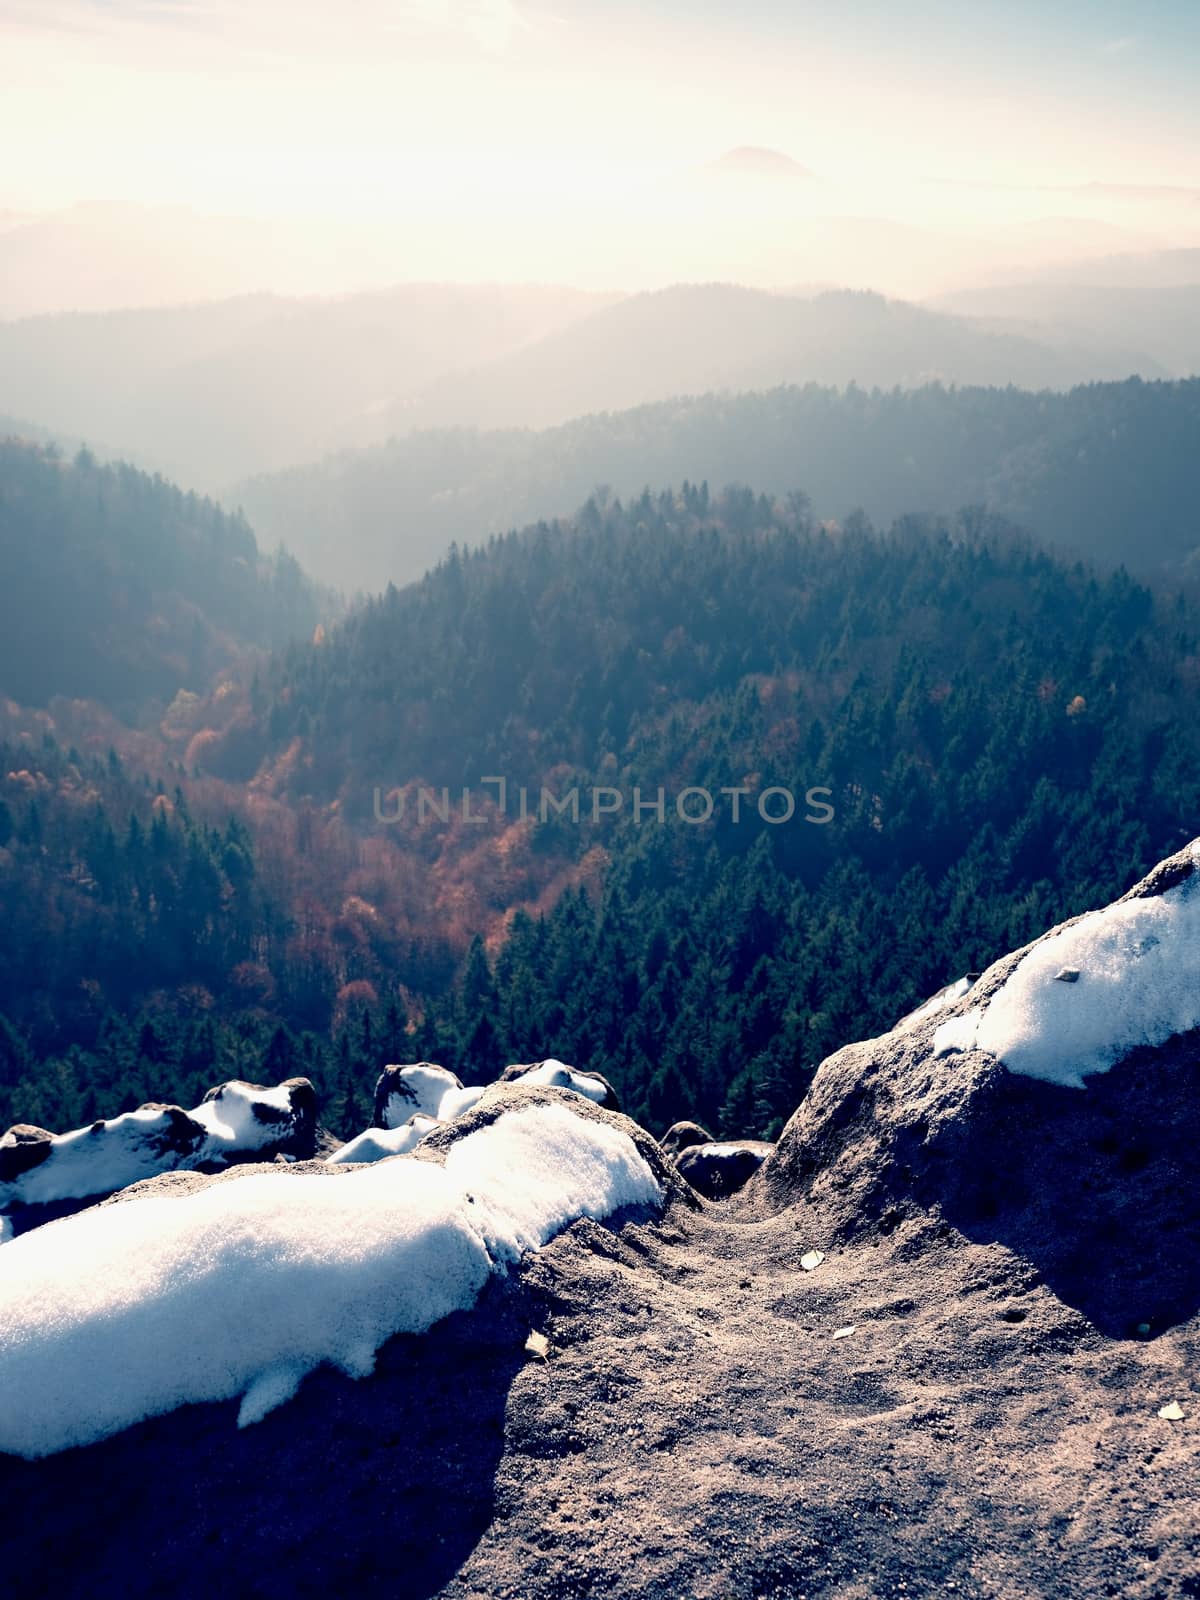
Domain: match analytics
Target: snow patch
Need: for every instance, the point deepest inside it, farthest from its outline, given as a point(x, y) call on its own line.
point(936, 1002)
point(557, 1075)
point(456, 1102)
point(269, 1391)
point(531, 1173)
point(111, 1154)
point(233, 1116)
point(106, 1156)
point(1138, 965)
point(417, 1089)
point(376, 1144)
point(241, 1288)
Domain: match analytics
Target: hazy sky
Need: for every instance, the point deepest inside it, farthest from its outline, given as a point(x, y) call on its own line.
point(293, 105)
point(383, 139)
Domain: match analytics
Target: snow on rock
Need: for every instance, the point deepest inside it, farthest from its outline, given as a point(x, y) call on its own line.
point(457, 1102)
point(1092, 1190)
point(557, 1075)
point(420, 1088)
point(376, 1144)
point(426, 1089)
point(533, 1172)
point(37, 1168)
point(938, 1002)
point(245, 1116)
point(235, 1121)
point(127, 1311)
point(1081, 999)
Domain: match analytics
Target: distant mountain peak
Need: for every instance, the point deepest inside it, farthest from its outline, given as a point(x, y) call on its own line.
point(756, 161)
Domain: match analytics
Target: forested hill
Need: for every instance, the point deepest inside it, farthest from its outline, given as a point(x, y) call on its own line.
point(1006, 740)
point(1110, 472)
point(212, 391)
point(119, 588)
point(937, 672)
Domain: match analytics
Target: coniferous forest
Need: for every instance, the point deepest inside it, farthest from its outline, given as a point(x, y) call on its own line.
point(1072, 468)
point(207, 891)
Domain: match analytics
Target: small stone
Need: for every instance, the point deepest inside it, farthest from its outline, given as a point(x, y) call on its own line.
point(844, 1333)
point(1067, 975)
point(812, 1259)
point(1172, 1412)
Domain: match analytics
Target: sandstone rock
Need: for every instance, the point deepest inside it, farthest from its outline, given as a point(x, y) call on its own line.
point(593, 1085)
point(682, 1134)
point(45, 1175)
point(719, 1170)
point(1094, 1187)
point(421, 1088)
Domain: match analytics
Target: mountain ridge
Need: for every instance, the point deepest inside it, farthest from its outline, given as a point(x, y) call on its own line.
point(1069, 467)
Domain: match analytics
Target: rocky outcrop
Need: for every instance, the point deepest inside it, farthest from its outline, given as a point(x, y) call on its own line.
point(423, 1088)
point(682, 1134)
point(1094, 1186)
point(556, 1074)
point(718, 1170)
point(504, 1096)
point(44, 1175)
point(943, 1342)
point(106, 1320)
point(411, 1100)
point(22, 1148)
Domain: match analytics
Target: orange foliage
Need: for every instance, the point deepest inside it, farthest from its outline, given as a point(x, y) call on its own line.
point(252, 983)
point(199, 746)
point(353, 998)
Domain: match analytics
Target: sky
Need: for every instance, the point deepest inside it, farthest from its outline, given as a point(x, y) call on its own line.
point(526, 114)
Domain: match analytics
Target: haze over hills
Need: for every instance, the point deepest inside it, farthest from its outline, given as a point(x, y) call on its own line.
point(107, 255)
point(119, 589)
point(1130, 269)
point(212, 393)
point(209, 392)
point(755, 161)
point(1163, 321)
point(755, 215)
point(694, 338)
point(101, 256)
point(1070, 467)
